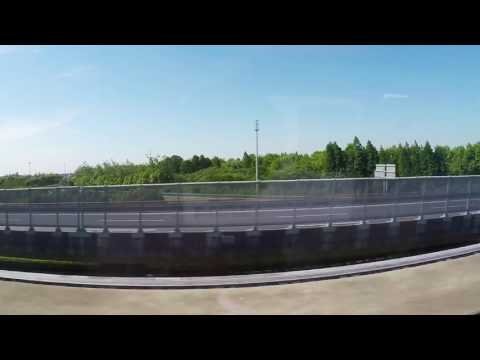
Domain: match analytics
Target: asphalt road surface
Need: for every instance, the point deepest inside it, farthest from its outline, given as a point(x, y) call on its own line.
point(230, 215)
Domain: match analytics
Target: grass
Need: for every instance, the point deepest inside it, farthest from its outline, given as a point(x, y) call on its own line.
point(33, 261)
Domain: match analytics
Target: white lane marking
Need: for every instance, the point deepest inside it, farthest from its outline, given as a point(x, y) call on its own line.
point(253, 210)
point(113, 213)
point(42, 214)
point(291, 216)
point(136, 220)
point(243, 211)
point(443, 207)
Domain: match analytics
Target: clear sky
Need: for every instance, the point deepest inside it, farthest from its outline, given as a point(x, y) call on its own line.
point(65, 105)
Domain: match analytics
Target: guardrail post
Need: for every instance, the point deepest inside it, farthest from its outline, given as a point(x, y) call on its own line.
point(7, 226)
point(255, 228)
point(365, 195)
point(448, 195)
point(469, 186)
point(177, 215)
point(422, 204)
point(395, 200)
point(330, 201)
point(79, 220)
point(139, 236)
point(30, 219)
point(140, 211)
point(294, 225)
point(105, 199)
point(216, 216)
point(103, 237)
point(57, 213)
point(82, 213)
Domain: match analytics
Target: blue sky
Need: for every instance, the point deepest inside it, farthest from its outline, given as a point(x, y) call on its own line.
point(65, 105)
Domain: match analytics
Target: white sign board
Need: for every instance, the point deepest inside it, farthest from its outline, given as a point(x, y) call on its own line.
point(385, 170)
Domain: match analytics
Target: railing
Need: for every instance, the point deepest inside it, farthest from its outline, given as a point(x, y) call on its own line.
point(217, 205)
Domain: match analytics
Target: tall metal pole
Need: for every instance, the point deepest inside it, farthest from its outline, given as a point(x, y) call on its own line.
point(256, 177)
point(256, 158)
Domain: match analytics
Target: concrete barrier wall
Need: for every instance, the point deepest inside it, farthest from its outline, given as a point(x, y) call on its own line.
point(238, 252)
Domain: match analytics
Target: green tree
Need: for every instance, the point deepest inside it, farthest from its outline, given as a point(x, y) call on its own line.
point(404, 162)
point(355, 159)
point(427, 161)
point(456, 161)
point(440, 160)
point(248, 161)
point(372, 158)
point(334, 160)
point(217, 162)
point(415, 159)
point(187, 167)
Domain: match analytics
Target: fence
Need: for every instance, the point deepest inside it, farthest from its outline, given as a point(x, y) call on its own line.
point(240, 204)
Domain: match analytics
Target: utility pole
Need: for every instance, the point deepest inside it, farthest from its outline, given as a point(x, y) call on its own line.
point(256, 158)
point(29, 172)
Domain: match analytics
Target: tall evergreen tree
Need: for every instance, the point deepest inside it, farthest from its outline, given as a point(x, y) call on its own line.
point(355, 159)
point(427, 161)
point(404, 164)
point(372, 158)
point(456, 161)
point(440, 160)
point(382, 155)
point(415, 159)
point(334, 160)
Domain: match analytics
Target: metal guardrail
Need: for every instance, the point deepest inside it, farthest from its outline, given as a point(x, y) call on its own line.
point(292, 203)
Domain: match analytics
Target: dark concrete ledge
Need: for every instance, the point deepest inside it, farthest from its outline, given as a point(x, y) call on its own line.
point(235, 252)
point(237, 280)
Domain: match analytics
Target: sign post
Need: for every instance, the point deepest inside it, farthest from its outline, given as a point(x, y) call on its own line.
point(385, 171)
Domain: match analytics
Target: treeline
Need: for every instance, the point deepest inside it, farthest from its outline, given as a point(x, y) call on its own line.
point(355, 160)
point(410, 160)
point(39, 180)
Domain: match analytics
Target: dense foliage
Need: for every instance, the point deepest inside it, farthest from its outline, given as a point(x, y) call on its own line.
point(40, 180)
point(355, 160)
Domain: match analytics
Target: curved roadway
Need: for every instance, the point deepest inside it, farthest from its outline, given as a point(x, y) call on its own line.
point(240, 215)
